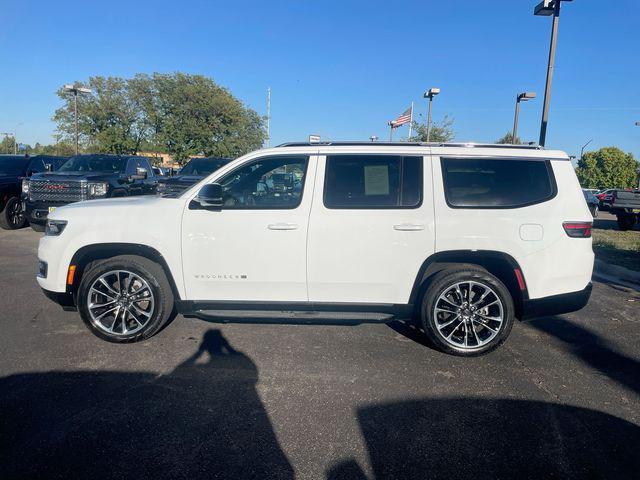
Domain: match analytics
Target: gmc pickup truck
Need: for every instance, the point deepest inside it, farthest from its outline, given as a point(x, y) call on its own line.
point(625, 204)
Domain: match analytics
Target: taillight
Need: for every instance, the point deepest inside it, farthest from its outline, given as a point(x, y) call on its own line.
point(578, 229)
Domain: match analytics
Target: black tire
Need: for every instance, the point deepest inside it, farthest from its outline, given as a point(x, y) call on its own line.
point(440, 284)
point(157, 281)
point(38, 227)
point(12, 216)
point(594, 211)
point(626, 221)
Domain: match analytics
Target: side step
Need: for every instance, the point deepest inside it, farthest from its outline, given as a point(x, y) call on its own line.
point(293, 317)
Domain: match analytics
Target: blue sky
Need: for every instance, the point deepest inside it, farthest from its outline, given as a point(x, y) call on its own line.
point(342, 68)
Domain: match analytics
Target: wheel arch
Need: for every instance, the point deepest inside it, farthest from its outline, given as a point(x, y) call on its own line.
point(500, 264)
point(101, 251)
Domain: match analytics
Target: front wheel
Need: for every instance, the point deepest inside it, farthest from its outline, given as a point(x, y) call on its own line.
point(12, 216)
point(125, 299)
point(467, 311)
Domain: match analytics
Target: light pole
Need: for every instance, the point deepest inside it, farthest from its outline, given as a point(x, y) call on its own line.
point(546, 8)
point(521, 97)
point(583, 147)
point(75, 89)
point(432, 92)
point(268, 116)
point(373, 138)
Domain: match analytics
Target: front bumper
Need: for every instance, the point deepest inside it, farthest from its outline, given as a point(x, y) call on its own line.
point(64, 299)
point(556, 304)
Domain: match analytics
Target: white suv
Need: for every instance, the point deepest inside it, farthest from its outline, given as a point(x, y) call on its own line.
point(461, 237)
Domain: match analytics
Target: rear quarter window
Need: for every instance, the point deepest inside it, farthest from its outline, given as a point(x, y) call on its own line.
point(496, 183)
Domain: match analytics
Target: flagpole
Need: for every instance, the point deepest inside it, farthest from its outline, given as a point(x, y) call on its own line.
point(410, 121)
point(391, 131)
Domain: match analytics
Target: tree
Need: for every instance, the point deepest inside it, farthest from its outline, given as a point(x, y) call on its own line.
point(508, 139)
point(108, 119)
point(191, 114)
point(440, 132)
point(179, 114)
point(608, 167)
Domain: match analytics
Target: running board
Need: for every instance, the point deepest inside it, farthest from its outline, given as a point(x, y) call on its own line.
point(293, 317)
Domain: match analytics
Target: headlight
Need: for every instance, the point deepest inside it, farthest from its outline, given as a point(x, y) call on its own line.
point(55, 227)
point(98, 189)
point(25, 185)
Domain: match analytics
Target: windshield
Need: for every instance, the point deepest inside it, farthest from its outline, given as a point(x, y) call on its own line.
point(95, 163)
point(203, 166)
point(13, 165)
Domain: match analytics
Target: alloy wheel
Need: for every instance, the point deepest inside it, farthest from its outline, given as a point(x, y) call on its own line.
point(468, 315)
point(120, 302)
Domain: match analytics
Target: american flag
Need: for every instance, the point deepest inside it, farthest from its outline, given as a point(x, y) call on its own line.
point(405, 117)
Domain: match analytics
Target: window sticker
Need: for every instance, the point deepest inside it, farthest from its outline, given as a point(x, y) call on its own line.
point(376, 180)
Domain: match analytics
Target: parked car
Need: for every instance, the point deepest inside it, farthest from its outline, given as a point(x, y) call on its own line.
point(592, 202)
point(464, 238)
point(194, 171)
point(86, 177)
point(604, 198)
point(13, 168)
point(625, 205)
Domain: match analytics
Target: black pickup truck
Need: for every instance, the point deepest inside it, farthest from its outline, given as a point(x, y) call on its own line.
point(13, 169)
point(625, 205)
point(86, 177)
point(194, 171)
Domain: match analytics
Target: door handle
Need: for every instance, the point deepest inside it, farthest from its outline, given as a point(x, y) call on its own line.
point(282, 226)
point(409, 227)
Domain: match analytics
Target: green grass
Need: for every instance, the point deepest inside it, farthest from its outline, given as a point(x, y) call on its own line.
point(618, 248)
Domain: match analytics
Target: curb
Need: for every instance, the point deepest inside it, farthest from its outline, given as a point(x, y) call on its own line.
point(616, 272)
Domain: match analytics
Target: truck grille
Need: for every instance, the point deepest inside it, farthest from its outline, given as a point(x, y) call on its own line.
point(57, 191)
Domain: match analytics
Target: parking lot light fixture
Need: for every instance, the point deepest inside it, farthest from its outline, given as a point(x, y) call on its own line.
point(521, 97)
point(432, 92)
point(547, 8)
point(373, 138)
point(75, 90)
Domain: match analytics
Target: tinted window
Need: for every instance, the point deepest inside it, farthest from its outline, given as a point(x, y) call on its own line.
point(272, 182)
point(203, 166)
point(493, 183)
point(13, 165)
point(95, 163)
point(373, 181)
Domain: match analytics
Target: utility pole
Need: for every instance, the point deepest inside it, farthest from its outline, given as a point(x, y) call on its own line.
point(268, 116)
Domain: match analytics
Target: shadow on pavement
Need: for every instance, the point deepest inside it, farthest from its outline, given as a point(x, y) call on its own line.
point(203, 420)
point(592, 350)
point(490, 439)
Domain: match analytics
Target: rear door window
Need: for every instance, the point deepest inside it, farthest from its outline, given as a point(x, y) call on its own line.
point(496, 183)
point(373, 181)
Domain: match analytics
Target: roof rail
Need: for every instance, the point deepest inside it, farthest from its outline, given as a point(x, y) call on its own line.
point(415, 144)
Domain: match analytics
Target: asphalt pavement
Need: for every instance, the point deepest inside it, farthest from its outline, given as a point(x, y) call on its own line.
point(561, 399)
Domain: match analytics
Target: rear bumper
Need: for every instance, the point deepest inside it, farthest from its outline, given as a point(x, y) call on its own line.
point(556, 304)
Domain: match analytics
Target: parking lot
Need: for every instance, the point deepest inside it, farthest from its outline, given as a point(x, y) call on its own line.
point(560, 399)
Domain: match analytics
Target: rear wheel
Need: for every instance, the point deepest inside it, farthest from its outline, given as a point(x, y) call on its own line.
point(12, 216)
point(467, 311)
point(125, 299)
point(626, 221)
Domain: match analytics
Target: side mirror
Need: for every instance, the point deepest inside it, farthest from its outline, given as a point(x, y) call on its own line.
point(210, 196)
